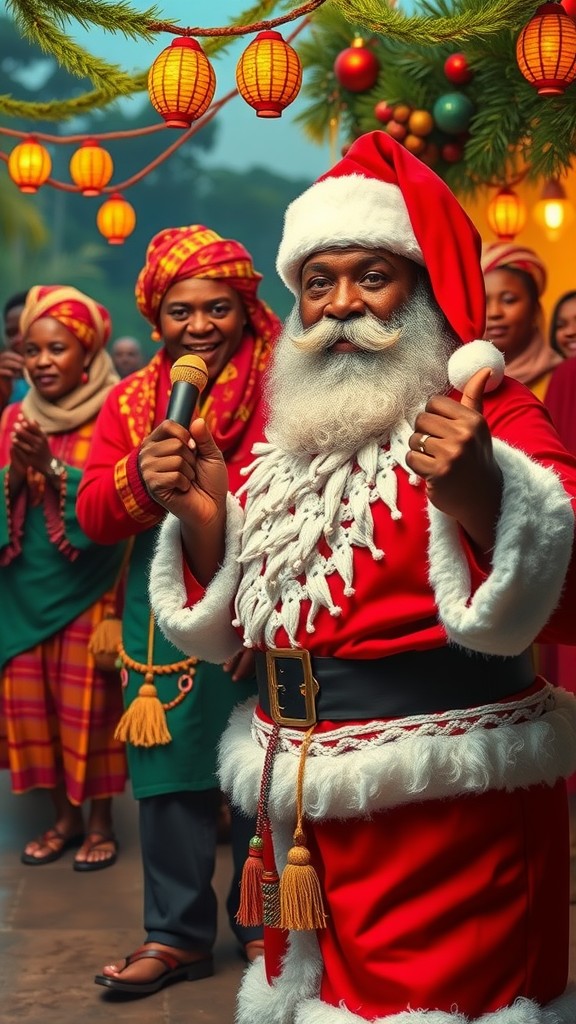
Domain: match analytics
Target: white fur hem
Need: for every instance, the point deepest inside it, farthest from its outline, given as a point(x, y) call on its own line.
point(340, 212)
point(204, 630)
point(377, 776)
point(529, 564)
point(293, 998)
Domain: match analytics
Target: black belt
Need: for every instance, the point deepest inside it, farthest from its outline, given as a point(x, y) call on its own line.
point(296, 689)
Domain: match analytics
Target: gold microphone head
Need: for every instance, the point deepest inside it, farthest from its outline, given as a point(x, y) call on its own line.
point(191, 369)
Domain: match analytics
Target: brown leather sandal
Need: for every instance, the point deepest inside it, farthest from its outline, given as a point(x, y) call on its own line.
point(175, 971)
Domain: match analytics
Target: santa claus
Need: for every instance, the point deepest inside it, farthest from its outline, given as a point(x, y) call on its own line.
point(404, 533)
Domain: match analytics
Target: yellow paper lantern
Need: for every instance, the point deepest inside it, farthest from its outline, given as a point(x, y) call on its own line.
point(553, 212)
point(546, 50)
point(116, 219)
point(506, 214)
point(91, 168)
point(181, 82)
point(269, 74)
point(29, 165)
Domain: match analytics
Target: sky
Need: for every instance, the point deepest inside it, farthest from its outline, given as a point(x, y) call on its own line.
point(243, 139)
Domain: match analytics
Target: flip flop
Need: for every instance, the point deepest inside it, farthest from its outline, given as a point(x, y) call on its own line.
point(52, 833)
point(175, 971)
point(97, 865)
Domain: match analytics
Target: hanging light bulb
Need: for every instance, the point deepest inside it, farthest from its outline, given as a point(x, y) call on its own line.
point(181, 82)
point(91, 168)
point(553, 212)
point(506, 214)
point(116, 219)
point(29, 165)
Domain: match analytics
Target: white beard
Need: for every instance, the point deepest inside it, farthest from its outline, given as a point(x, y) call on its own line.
point(322, 401)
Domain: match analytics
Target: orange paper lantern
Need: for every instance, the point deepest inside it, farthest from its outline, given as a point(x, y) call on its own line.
point(116, 219)
point(546, 50)
point(29, 165)
point(506, 214)
point(269, 74)
point(181, 82)
point(91, 168)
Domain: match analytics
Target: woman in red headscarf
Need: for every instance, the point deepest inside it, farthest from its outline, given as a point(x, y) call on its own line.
point(199, 292)
point(57, 710)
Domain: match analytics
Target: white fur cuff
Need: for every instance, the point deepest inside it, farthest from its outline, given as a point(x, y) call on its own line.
point(529, 563)
point(203, 631)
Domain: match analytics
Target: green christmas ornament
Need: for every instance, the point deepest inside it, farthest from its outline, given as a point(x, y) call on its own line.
point(452, 112)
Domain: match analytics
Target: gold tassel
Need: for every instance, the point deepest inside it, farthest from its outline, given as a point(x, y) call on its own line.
point(301, 905)
point(143, 724)
point(104, 643)
point(250, 911)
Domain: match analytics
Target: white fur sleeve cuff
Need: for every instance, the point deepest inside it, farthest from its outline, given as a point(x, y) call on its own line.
point(534, 539)
point(203, 631)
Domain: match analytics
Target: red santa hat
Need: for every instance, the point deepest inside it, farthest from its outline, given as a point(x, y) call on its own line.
point(380, 195)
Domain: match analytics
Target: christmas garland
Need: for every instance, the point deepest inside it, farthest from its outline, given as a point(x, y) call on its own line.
point(501, 129)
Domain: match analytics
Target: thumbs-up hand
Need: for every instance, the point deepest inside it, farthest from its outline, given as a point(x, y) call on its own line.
point(451, 449)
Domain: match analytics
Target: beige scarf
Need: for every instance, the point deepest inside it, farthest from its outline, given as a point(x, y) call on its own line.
point(535, 360)
point(77, 407)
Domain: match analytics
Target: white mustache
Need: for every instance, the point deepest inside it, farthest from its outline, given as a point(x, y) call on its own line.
point(366, 332)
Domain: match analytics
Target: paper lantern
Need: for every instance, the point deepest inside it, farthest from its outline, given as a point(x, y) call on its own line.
point(356, 68)
point(29, 165)
point(269, 74)
point(116, 219)
point(553, 212)
point(181, 82)
point(506, 214)
point(546, 50)
point(91, 168)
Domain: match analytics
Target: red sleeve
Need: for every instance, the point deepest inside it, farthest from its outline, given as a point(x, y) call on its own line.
point(113, 503)
point(517, 417)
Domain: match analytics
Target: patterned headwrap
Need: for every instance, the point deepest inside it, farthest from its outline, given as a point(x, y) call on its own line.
point(86, 319)
point(499, 255)
point(177, 254)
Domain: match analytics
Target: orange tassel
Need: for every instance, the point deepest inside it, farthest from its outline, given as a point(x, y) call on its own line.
point(301, 906)
point(143, 724)
point(250, 911)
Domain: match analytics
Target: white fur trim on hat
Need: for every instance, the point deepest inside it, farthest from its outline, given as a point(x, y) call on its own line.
point(529, 565)
point(203, 630)
point(340, 212)
point(474, 356)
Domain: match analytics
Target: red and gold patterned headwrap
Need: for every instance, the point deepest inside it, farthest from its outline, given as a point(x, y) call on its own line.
point(86, 319)
point(177, 254)
point(498, 255)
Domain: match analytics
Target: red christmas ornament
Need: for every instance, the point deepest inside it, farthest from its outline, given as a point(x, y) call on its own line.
point(457, 69)
point(452, 152)
point(383, 112)
point(357, 67)
point(570, 7)
point(397, 131)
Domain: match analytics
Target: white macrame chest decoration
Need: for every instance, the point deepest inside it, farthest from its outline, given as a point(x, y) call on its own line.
point(293, 502)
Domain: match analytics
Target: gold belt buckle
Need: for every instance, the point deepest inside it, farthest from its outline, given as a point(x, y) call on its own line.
point(308, 687)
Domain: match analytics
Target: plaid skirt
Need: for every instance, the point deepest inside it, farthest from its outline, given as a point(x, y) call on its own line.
point(58, 714)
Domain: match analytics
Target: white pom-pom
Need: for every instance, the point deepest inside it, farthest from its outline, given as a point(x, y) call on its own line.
point(470, 358)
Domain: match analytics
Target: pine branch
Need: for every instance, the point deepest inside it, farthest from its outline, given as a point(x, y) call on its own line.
point(477, 19)
point(114, 17)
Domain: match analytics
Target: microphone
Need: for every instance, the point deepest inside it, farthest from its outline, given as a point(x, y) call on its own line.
point(189, 377)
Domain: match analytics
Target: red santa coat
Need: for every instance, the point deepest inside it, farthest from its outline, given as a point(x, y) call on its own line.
point(447, 887)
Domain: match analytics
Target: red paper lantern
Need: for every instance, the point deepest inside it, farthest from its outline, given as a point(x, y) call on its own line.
point(29, 165)
point(546, 50)
point(457, 69)
point(269, 74)
point(181, 82)
point(357, 67)
point(506, 214)
point(116, 219)
point(91, 168)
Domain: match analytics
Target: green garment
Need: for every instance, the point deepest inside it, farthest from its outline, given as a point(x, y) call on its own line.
point(42, 589)
point(188, 762)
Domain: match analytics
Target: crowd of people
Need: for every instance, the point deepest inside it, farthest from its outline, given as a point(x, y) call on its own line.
point(360, 622)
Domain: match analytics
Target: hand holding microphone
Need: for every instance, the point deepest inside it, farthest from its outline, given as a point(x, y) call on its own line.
point(189, 377)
